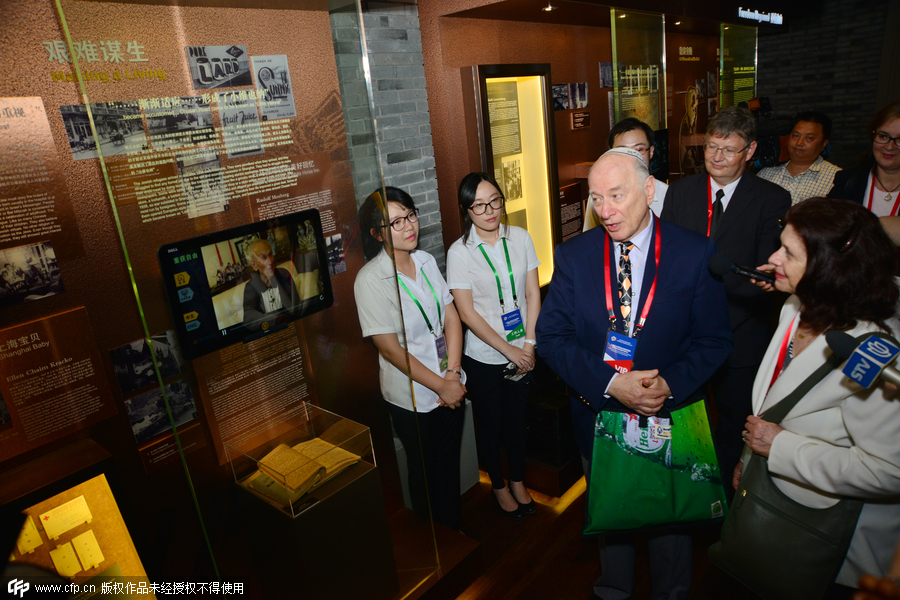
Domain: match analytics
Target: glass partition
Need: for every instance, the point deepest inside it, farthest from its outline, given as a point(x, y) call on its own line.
point(639, 56)
point(737, 64)
point(140, 125)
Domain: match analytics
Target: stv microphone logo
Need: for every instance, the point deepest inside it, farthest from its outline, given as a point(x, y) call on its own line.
point(19, 587)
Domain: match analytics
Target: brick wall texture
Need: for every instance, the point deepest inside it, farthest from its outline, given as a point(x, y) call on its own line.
point(402, 137)
point(828, 60)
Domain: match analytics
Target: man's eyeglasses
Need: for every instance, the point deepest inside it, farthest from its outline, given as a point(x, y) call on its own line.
point(400, 222)
point(712, 149)
point(496, 204)
point(880, 137)
point(636, 147)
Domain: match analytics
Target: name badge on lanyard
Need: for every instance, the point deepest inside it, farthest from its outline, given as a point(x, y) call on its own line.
point(619, 351)
point(440, 341)
point(512, 320)
point(620, 347)
point(512, 324)
point(440, 345)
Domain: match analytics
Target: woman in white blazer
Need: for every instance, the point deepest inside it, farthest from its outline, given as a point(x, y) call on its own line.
point(840, 439)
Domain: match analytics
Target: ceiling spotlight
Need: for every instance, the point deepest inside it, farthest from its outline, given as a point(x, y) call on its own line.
point(549, 7)
point(678, 22)
point(621, 16)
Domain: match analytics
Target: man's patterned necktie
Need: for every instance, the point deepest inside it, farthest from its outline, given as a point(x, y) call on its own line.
point(625, 281)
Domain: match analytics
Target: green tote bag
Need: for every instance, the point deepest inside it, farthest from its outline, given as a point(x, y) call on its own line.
point(653, 472)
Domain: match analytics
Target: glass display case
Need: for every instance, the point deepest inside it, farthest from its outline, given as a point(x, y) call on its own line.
point(513, 108)
point(138, 125)
point(737, 64)
point(639, 60)
point(287, 463)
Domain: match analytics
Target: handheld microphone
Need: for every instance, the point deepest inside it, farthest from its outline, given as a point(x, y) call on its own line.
point(866, 361)
point(720, 264)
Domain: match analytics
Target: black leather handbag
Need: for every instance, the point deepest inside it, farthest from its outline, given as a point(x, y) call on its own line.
point(779, 548)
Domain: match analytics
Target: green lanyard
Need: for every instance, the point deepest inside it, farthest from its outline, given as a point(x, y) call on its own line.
point(512, 281)
point(422, 310)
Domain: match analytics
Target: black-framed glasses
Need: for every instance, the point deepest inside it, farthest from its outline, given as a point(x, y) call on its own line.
point(880, 137)
point(712, 149)
point(400, 222)
point(496, 204)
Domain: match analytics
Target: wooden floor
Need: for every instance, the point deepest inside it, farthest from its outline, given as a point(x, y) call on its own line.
point(543, 556)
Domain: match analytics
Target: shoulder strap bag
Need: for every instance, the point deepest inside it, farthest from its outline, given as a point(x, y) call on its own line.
point(777, 547)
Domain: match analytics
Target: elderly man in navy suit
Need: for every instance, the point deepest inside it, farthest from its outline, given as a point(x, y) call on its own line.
point(740, 212)
point(663, 296)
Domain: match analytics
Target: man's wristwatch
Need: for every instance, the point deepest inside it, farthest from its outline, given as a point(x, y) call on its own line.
point(530, 341)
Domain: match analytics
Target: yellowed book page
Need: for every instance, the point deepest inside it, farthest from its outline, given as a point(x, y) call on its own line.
point(289, 467)
point(333, 458)
point(29, 538)
point(65, 560)
point(89, 552)
point(64, 517)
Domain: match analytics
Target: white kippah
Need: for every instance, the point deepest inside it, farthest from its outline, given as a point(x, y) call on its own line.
point(626, 151)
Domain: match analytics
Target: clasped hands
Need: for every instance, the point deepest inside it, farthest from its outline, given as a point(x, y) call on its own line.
point(644, 392)
point(452, 392)
point(522, 357)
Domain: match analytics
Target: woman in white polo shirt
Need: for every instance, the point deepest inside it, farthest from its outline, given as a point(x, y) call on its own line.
point(433, 340)
point(492, 272)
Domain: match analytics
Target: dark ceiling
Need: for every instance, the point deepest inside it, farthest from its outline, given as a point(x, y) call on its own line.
point(693, 16)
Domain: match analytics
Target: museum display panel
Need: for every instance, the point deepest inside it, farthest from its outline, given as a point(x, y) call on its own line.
point(738, 64)
point(139, 126)
point(512, 112)
point(639, 60)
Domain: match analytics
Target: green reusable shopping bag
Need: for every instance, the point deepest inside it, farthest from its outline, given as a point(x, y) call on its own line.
point(653, 472)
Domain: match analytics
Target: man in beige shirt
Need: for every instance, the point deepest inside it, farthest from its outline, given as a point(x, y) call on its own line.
point(807, 174)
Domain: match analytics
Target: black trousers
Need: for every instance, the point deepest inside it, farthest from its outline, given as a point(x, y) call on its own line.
point(732, 389)
point(435, 461)
point(499, 406)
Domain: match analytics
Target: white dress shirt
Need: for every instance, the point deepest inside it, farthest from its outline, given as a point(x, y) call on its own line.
point(379, 301)
point(467, 270)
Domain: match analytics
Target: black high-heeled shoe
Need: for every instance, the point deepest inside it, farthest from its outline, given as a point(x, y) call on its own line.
point(512, 514)
point(527, 509)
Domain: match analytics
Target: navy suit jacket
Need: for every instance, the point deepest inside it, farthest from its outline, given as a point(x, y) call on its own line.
point(748, 234)
point(687, 335)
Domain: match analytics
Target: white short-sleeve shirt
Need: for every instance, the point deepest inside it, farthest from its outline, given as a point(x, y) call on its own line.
point(379, 302)
point(468, 270)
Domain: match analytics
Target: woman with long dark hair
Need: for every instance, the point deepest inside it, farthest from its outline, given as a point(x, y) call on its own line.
point(492, 272)
point(424, 344)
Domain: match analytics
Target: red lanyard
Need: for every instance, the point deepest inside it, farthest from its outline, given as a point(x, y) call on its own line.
point(782, 354)
point(608, 286)
point(872, 193)
point(709, 206)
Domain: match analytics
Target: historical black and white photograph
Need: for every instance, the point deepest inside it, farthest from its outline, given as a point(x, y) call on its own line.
point(148, 411)
point(218, 66)
point(177, 122)
point(134, 366)
point(28, 273)
point(119, 125)
point(5, 418)
point(512, 179)
point(560, 96)
point(578, 95)
point(334, 247)
point(201, 177)
point(712, 84)
point(273, 81)
point(606, 75)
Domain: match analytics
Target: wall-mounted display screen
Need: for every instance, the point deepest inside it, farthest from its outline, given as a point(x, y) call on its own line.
point(243, 283)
